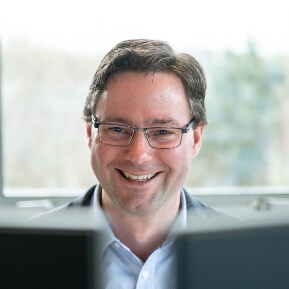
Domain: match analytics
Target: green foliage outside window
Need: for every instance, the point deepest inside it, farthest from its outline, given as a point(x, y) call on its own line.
point(246, 142)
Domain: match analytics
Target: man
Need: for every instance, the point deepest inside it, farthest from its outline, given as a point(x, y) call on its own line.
point(145, 118)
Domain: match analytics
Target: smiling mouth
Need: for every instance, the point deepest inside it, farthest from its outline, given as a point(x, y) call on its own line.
point(142, 178)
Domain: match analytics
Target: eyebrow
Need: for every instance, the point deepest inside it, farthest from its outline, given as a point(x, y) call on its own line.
point(153, 122)
point(166, 121)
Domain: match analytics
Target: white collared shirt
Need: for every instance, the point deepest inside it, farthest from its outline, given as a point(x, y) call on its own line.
point(123, 269)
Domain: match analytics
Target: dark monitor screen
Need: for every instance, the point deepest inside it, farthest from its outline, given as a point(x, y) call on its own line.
point(50, 258)
point(245, 258)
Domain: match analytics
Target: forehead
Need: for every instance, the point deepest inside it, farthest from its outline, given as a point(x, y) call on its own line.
point(139, 96)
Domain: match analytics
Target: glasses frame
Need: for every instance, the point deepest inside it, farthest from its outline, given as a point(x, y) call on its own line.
point(144, 129)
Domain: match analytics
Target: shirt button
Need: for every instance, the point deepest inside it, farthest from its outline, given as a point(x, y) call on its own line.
point(145, 274)
point(116, 244)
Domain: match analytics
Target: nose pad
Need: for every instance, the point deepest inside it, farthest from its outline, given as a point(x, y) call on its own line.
point(138, 137)
point(138, 151)
point(147, 136)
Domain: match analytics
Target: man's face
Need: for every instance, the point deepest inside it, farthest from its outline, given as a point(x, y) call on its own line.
point(143, 100)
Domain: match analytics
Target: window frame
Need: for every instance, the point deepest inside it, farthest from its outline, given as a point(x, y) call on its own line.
point(242, 199)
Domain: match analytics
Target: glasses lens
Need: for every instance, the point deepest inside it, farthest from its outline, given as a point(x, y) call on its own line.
point(115, 134)
point(164, 137)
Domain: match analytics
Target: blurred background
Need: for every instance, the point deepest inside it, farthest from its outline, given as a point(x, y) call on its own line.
point(51, 49)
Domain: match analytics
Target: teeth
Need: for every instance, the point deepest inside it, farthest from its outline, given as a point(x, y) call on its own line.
point(138, 178)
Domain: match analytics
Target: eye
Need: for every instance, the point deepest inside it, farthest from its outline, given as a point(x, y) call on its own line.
point(164, 132)
point(115, 129)
point(118, 130)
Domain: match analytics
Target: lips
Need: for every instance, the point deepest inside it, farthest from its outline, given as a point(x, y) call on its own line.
point(140, 178)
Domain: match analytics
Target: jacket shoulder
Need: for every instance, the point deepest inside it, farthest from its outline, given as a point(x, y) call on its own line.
point(199, 211)
point(83, 201)
point(80, 202)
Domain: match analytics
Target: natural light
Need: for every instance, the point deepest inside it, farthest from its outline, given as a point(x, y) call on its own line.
point(50, 51)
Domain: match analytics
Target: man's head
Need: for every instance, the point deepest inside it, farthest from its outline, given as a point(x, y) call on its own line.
point(144, 56)
point(143, 99)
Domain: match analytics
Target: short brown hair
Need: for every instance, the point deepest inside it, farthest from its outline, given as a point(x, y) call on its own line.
point(144, 56)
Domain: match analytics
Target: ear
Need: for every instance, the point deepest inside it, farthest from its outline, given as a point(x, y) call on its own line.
point(89, 134)
point(198, 137)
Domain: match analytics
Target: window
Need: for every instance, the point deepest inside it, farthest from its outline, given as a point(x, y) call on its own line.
point(51, 50)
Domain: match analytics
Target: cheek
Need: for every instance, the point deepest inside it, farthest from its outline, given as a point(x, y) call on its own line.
point(102, 156)
point(178, 163)
point(97, 148)
point(98, 157)
point(186, 156)
point(179, 160)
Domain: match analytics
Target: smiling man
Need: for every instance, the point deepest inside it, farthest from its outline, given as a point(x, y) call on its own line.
point(141, 171)
point(145, 118)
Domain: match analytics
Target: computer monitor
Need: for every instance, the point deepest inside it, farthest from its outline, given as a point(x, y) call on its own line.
point(49, 257)
point(247, 257)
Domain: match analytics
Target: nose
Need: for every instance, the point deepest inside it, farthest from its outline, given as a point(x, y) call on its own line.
point(139, 150)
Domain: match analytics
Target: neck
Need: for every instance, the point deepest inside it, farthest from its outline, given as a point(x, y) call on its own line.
point(142, 234)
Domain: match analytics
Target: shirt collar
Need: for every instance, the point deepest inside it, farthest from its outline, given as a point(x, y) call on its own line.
point(180, 222)
point(109, 237)
point(183, 210)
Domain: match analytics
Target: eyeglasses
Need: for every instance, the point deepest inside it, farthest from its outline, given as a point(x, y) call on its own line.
point(157, 137)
